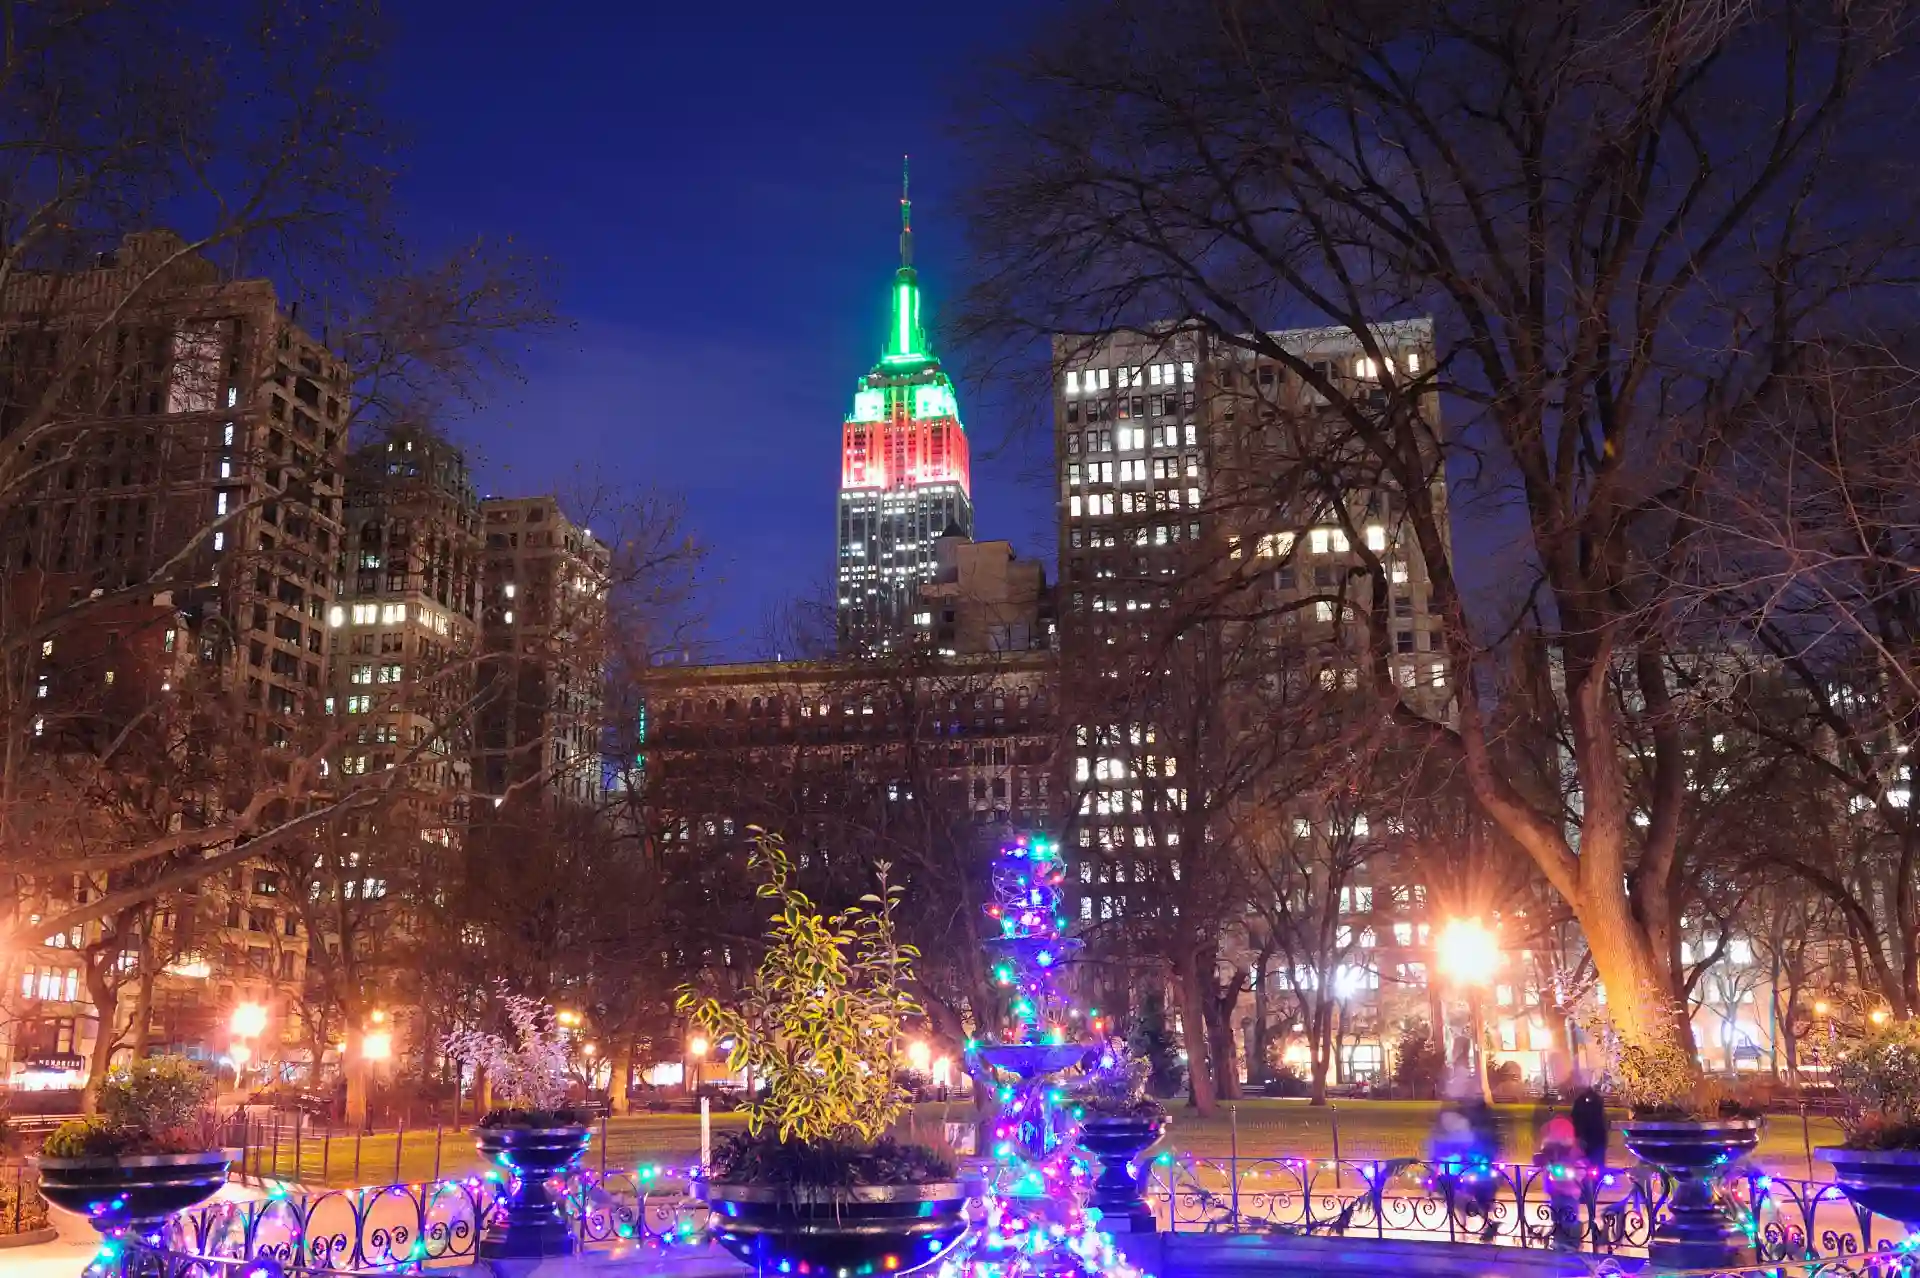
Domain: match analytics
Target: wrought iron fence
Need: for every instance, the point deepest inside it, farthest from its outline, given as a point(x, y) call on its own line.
point(403, 1228)
point(22, 1209)
point(1509, 1204)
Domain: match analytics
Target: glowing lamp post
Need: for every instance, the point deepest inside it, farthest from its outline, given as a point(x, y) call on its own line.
point(697, 1049)
point(1468, 954)
point(376, 1045)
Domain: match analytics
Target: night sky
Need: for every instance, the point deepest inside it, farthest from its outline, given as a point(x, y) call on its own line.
point(716, 185)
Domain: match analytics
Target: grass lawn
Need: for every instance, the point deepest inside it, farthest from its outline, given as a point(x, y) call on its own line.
point(1258, 1128)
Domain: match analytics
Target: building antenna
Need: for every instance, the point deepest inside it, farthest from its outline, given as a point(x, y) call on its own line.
point(906, 213)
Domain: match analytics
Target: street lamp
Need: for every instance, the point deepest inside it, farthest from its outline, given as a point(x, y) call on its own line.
point(376, 1046)
point(1468, 953)
point(919, 1055)
point(1879, 1016)
point(697, 1047)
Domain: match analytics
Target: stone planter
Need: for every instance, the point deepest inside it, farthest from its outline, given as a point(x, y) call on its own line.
point(530, 1221)
point(1885, 1182)
point(1116, 1142)
point(1697, 1231)
point(136, 1192)
point(863, 1229)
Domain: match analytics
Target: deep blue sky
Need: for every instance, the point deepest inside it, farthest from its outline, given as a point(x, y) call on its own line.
point(716, 185)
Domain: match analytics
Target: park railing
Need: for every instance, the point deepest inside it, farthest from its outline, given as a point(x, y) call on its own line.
point(22, 1209)
point(1508, 1204)
point(402, 1227)
point(289, 1149)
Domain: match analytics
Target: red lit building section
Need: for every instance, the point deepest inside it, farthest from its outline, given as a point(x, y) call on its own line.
point(903, 453)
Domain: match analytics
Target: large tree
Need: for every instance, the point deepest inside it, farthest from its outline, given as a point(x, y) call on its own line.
point(1623, 222)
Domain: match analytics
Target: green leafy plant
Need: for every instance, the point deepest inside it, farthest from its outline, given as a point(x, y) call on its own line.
point(820, 1022)
point(159, 1105)
point(1661, 1082)
point(1880, 1078)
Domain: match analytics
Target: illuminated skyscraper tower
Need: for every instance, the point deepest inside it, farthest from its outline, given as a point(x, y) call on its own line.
point(903, 473)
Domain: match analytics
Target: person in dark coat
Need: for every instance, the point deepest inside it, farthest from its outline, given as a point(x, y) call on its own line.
point(1589, 1117)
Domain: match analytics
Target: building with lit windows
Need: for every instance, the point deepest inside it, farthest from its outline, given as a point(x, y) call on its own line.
point(543, 606)
point(1168, 446)
point(904, 478)
point(199, 500)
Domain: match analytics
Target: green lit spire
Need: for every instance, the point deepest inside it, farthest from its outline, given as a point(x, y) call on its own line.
point(906, 339)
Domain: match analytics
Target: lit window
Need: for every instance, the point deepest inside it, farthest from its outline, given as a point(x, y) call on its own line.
point(1413, 361)
point(508, 617)
point(1073, 383)
point(109, 676)
point(336, 616)
point(511, 589)
point(1399, 573)
point(1323, 611)
point(1073, 506)
point(1376, 537)
point(46, 647)
point(1276, 545)
point(392, 613)
point(1365, 369)
point(1317, 541)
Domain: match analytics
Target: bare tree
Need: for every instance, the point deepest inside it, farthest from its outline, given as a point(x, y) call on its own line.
point(261, 140)
point(1621, 223)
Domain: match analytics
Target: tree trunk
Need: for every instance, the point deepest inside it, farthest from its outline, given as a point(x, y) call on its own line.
point(622, 1065)
point(1319, 1047)
point(1193, 1035)
point(142, 1027)
point(357, 1082)
point(106, 1000)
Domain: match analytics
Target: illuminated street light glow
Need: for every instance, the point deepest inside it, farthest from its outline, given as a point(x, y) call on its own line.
point(1468, 952)
point(698, 1045)
point(377, 1046)
point(919, 1055)
point(239, 1054)
point(249, 1020)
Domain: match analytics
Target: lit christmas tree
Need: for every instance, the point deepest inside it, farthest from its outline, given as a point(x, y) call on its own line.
point(1037, 1221)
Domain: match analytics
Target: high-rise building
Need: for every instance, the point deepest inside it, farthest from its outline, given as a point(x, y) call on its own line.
point(904, 476)
point(1188, 543)
point(173, 550)
point(406, 624)
point(543, 606)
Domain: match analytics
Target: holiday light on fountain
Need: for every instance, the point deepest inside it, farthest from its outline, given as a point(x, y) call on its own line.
point(1035, 1218)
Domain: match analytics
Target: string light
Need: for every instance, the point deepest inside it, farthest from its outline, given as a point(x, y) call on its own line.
point(1035, 1219)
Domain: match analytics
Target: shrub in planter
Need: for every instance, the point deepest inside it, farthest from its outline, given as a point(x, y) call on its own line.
point(152, 1150)
point(1878, 1165)
point(1118, 1123)
point(533, 1133)
point(813, 1183)
point(1691, 1129)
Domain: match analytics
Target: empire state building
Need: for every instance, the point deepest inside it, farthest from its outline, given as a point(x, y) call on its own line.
point(904, 478)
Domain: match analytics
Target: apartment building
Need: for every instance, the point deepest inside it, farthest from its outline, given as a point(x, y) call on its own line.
point(984, 598)
point(405, 631)
point(543, 612)
point(171, 548)
point(1204, 588)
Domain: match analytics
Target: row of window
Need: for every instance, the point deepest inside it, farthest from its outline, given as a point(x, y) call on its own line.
point(1133, 439)
point(1095, 505)
point(1093, 380)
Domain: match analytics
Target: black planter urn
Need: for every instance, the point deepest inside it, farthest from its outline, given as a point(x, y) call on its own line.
point(132, 1194)
point(1116, 1142)
point(530, 1220)
point(1885, 1182)
point(866, 1229)
point(1697, 1231)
